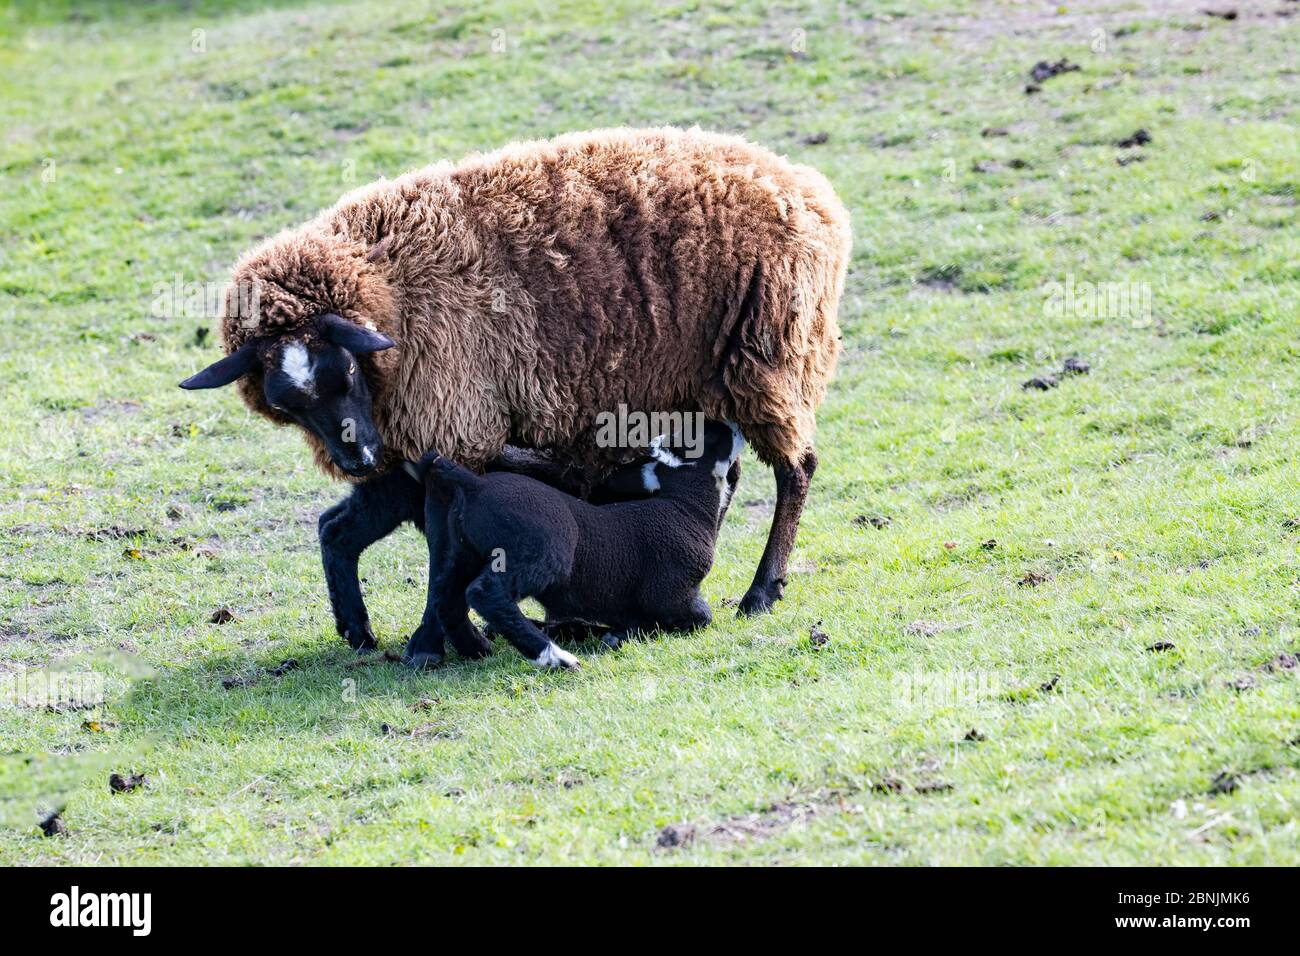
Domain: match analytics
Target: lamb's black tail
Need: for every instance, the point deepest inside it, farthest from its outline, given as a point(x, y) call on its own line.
point(441, 473)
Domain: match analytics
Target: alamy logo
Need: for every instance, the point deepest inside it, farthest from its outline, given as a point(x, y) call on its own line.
point(103, 909)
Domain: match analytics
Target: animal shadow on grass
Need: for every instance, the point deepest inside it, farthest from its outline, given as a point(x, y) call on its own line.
point(326, 685)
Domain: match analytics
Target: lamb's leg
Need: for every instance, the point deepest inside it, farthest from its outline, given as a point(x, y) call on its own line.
point(372, 511)
point(446, 583)
point(490, 595)
point(792, 483)
point(459, 568)
point(694, 616)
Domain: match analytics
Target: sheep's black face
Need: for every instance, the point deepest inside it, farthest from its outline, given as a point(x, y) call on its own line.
point(323, 390)
point(318, 385)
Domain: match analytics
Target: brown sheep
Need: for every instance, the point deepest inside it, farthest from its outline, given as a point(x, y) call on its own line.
point(532, 288)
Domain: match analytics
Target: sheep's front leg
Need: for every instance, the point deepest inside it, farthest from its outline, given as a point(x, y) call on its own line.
point(792, 483)
point(371, 512)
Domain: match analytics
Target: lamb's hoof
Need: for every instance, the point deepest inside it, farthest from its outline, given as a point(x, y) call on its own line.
point(470, 642)
point(613, 640)
point(422, 660)
point(360, 638)
point(758, 601)
point(553, 658)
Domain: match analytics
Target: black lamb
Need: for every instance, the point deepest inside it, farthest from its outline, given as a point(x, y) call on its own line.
point(631, 566)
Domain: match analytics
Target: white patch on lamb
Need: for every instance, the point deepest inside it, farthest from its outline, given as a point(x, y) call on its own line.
point(724, 494)
point(296, 364)
point(662, 455)
point(649, 480)
point(721, 468)
point(552, 657)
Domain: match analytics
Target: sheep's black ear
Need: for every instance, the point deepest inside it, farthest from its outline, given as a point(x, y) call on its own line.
point(351, 336)
point(225, 371)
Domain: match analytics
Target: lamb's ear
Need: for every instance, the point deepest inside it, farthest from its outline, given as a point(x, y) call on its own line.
point(234, 365)
point(351, 336)
point(662, 455)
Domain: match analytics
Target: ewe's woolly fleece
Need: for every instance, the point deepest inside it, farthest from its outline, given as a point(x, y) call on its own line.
point(533, 287)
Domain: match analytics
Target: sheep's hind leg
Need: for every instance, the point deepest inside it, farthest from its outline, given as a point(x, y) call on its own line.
point(372, 511)
point(490, 595)
point(792, 483)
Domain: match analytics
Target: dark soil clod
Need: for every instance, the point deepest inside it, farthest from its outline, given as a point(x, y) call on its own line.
point(1240, 684)
point(989, 545)
point(876, 521)
point(222, 615)
point(1074, 365)
point(1045, 70)
point(1225, 783)
point(1283, 662)
point(284, 667)
point(53, 825)
point(1048, 686)
point(676, 835)
point(817, 637)
point(120, 784)
point(933, 786)
point(988, 132)
point(1221, 14)
point(1138, 138)
point(816, 139)
point(1032, 579)
point(889, 784)
point(1160, 646)
point(1042, 383)
point(973, 735)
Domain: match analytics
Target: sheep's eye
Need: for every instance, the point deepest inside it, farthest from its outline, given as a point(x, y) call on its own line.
point(352, 369)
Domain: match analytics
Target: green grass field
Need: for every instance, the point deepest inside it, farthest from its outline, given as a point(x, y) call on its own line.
point(989, 692)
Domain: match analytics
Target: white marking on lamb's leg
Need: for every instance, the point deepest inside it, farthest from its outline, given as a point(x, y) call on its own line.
point(553, 657)
point(296, 364)
point(662, 455)
point(649, 480)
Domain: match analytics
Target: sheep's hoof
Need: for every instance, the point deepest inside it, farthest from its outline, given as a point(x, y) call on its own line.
point(613, 639)
point(757, 601)
point(359, 638)
point(422, 660)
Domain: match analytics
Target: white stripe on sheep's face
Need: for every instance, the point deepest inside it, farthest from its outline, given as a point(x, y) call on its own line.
point(314, 380)
point(296, 365)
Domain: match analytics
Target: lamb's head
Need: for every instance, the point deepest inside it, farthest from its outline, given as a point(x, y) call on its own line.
point(716, 466)
point(311, 376)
